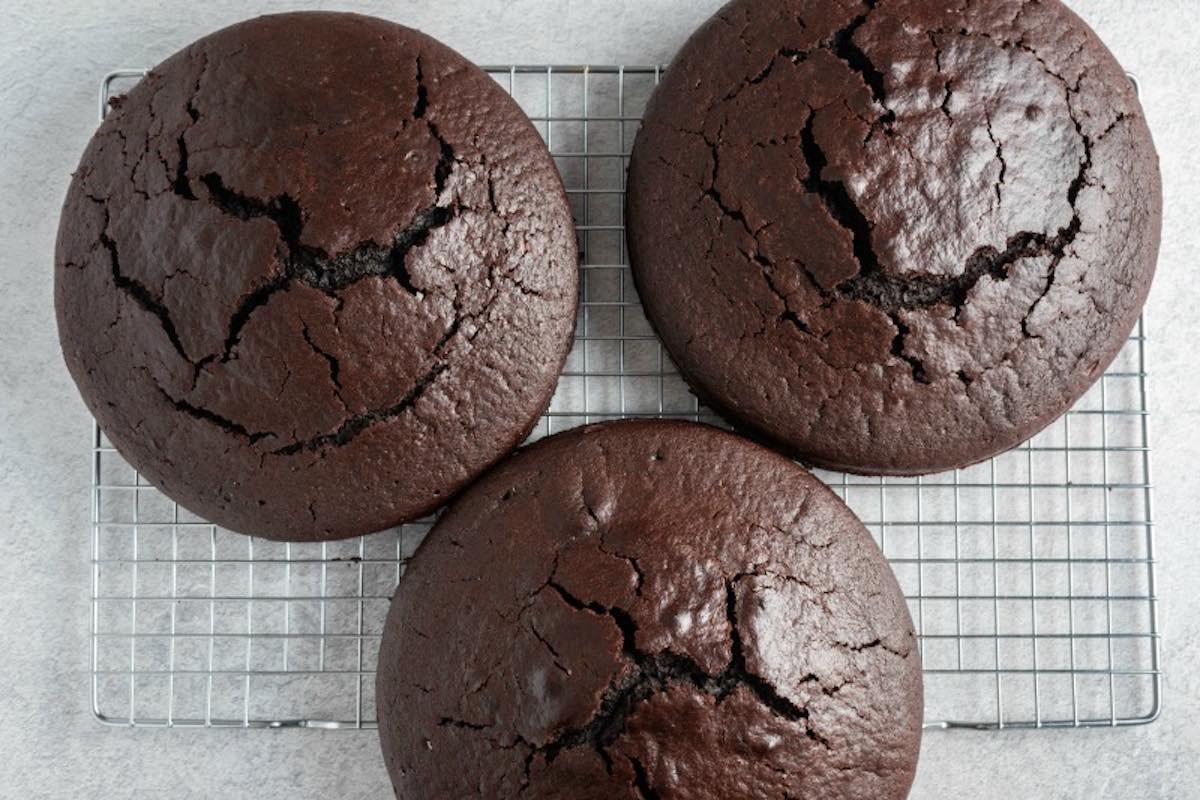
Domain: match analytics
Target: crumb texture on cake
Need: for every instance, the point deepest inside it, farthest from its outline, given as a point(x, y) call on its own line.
point(894, 236)
point(649, 609)
point(315, 272)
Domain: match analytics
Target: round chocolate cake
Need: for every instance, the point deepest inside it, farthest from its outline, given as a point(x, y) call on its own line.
point(315, 273)
point(894, 236)
point(649, 609)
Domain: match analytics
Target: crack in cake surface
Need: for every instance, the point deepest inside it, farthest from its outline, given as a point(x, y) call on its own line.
point(644, 675)
point(306, 264)
point(872, 285)
point(138, 291)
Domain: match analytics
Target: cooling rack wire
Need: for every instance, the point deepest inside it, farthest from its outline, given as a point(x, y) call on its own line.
point(1031, 578)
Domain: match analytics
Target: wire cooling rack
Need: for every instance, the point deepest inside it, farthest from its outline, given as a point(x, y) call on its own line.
point(1030, 577)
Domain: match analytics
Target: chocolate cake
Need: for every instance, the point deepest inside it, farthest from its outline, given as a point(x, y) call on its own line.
point(649, 609)
point(315, 273)
point(894, 236)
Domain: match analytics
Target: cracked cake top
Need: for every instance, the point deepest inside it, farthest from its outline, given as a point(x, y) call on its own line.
point(649, 609)
point(315, 273)
point(894, 236)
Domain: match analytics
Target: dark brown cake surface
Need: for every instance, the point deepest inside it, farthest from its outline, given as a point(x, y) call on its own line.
point(894, 236)
point(314, 274)
point(649, 609)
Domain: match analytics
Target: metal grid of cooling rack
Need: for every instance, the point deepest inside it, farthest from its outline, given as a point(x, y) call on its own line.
point(1030, 577)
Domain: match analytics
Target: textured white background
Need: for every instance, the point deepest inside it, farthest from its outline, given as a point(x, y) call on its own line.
point(51, 58)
